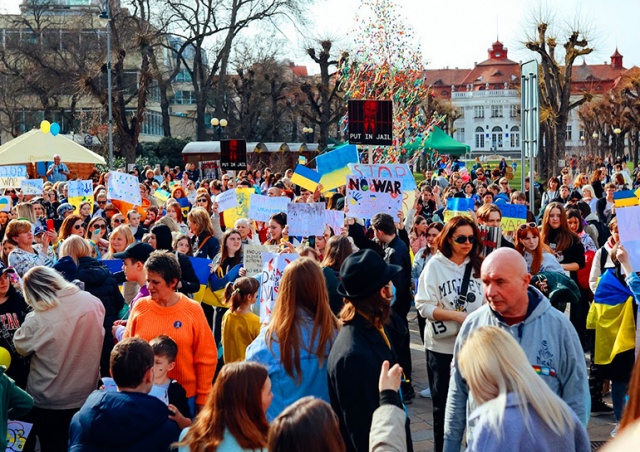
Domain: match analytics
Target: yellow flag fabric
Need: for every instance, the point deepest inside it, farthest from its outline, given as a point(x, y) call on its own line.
point(615, 329)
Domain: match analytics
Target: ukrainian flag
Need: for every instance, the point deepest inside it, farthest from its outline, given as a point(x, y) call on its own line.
point(334, 166)
point(306, 177)
point(611, 315)
point(212, 285)
point(625, 198)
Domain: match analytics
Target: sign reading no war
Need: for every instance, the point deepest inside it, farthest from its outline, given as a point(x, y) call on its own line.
point(13, 171)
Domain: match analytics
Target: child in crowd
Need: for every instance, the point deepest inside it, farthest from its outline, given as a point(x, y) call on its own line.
point(169, 391)
point(182, 245)
point(239, 325)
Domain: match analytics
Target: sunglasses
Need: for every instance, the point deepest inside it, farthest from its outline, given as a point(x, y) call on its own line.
point(461, 239)
point(10, 192)
point(504, 183)
point(527, 226)
point(101, 202)
point(201, 200)
point(98, 226)
point(77, 227)
point(118, 221)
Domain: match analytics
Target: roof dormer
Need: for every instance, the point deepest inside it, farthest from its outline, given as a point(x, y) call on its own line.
point(616, 60)
point(497, 51)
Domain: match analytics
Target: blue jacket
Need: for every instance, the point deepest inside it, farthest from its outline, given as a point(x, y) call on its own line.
point(285, 390)
point(515, 435)
point(549, 341)
point(122, 421)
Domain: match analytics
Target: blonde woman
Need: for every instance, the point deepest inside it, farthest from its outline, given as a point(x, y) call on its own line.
point(120, 238)
point(206, 245)
point(516, 408)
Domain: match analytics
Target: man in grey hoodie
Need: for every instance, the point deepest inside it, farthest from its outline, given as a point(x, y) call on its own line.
point(544, 333)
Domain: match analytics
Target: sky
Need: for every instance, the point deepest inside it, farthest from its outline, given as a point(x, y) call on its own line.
point(457, 33)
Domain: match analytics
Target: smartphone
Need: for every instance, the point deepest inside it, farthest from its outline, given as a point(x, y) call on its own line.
point(312, 241)
point(50, 225)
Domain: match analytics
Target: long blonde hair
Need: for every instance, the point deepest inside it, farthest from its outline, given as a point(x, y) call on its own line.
point(493, 364)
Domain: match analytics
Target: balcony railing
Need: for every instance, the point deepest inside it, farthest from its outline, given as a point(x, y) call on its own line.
point(490, 93)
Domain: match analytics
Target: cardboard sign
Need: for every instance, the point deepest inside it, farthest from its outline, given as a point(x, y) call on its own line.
point(273, 266)
point(243, 196)
point(335, 220)
point(391, 171)
point(13, 171)
point(124, 187)
point(80, 188)
point(491, 239)
point(458, 207)
point(32, 186)
point(227, 200)
point(11, 182)
point(252, 257)
point(513, 215)
point(371, 122)
point(306, 220)
point(334, 166)
point(17, 434)
point(629, 228)
point(261, 208)
point(5, 203)
point(367, 197)
point(233, 154)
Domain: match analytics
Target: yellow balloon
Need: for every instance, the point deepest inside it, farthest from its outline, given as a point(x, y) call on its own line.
point(5, 357)
point(45, 126)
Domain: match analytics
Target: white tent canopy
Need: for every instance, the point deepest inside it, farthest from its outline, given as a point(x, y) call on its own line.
point(35, 146)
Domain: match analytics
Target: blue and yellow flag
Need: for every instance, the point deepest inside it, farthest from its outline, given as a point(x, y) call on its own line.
point(211, 286)
point(306, 177)
point(611, 315)
point(625, 198)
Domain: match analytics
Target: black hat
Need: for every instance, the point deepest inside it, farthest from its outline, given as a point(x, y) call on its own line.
point(137, 251)
point(363, 273)
point(575, 194)
point(4, 269)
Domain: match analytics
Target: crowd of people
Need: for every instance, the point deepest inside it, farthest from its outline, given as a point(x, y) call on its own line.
point(505, 328)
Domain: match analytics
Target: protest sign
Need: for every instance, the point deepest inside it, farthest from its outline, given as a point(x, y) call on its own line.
point(306, 178)
point(273, 266)
point(79, 192)
point(408, 199)
point(252, 257)
point(32, 186)
point(124, 187)
point(513, 215)
point(334, 166)
point(335, 220)
point(306, 220)
point(368, 196)
point(233, 154)
point(629, 229)
point(491, 238)
point(371, 122)
point(458, 206)
point(227, 200)
point(11, 182)
point(13, 171)
point(5, 204)
point(161, 195)
point(262, 207)
point(242, 209)
point(17, 434)
point(390, 171)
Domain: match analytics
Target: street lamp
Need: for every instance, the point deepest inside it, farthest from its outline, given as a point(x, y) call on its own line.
point(617, 131)
point(595, 138)
point(308, 134)
point(219, 125)
point(106, 15)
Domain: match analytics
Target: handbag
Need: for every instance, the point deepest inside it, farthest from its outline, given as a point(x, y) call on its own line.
point(440, 329)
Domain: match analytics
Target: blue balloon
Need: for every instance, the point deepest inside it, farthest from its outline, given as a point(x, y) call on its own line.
point(55, 129)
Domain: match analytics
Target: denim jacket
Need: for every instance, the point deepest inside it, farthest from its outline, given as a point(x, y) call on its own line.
point(314, 381)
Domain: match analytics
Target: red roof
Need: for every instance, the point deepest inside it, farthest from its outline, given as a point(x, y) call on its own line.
point(298, 71)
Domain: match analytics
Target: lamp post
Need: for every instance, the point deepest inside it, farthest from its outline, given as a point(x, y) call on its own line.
point(595, 138)
point(218, 126)
point(106, 15)
point(617, 131)
point(308, 134)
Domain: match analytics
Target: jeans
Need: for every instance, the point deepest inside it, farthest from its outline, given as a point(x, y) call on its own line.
point(439, 372)
point(618, 393)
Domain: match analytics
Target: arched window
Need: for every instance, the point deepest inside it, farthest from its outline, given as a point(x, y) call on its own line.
point(479, 137)
point(496, 137)
point(515, 137)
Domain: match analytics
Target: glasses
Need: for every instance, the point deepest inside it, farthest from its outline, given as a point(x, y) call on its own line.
point(10, 192)
point(77, 227)
point(462, 239)
point(504, 183)
point(527, 226)
point(201, 200)
point(116, 221)
point(101, 202)
point(98, 226)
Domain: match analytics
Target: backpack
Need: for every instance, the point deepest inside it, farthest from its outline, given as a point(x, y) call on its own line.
point(603, 231)
point(584, 272)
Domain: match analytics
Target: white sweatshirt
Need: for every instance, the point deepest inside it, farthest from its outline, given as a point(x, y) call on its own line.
point(438, 288)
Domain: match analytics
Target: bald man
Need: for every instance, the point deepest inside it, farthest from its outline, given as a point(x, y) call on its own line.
point(544, 333)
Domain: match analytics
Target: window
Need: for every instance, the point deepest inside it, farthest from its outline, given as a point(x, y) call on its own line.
point(515, 137)
point(496, 111)
point(183, 76)
point(185, 97)
point(496, 137)
point(479, 137)
point(478, 111)
point(460, 134)
point(152, 124)
point(569, 136)
point(460, 112)
point(514, 111)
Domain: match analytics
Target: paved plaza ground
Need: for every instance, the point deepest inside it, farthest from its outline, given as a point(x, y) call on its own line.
point(421, 413)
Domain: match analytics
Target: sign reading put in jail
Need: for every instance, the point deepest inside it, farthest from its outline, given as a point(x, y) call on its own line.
point(233, 154)
point(371, 122)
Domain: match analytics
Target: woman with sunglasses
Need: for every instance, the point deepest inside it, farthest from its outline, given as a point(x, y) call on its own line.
point(581, 181)
point(72, 225)
point(444, 301)
point(97, 233)
point(53, 204)
point(568, 249)
point(537, 255)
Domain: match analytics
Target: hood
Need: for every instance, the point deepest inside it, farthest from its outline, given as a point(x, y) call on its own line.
point(67, 267)
point(107, 417)
point(164, 240)
point(92, 271)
